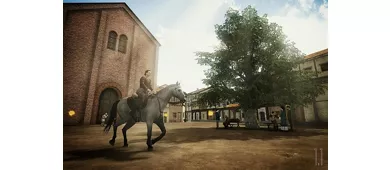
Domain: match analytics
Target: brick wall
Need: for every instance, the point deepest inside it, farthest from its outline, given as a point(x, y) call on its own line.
point(146, 53)
point(115, 65)
point(79, 46)
point(90, 67)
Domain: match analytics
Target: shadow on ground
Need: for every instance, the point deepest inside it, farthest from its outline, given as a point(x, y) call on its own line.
point(190, 135)
point(107, 153)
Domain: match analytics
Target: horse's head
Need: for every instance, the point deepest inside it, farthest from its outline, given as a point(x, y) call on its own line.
point(178, 93)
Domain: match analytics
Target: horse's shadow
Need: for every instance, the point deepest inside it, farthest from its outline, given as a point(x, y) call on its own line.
point(114, 154)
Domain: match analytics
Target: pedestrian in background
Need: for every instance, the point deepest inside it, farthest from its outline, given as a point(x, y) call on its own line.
point(217, 117)
point(283, 118)
point(104, 117)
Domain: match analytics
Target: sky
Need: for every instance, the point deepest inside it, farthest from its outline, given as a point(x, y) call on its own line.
point(186, 26)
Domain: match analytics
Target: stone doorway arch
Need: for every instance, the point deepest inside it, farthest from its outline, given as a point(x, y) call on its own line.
point(106, 100)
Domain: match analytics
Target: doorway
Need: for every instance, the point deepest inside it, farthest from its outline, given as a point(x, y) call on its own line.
point(106, 100)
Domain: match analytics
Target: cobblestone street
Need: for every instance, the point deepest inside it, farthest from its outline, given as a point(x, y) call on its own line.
point(195, 146)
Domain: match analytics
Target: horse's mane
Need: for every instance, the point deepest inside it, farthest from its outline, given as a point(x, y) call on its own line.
point(166, 88)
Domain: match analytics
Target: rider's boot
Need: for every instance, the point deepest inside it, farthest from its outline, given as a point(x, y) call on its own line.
point(143, 105)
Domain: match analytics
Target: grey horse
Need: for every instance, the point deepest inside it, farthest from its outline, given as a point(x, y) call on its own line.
point(121, 113)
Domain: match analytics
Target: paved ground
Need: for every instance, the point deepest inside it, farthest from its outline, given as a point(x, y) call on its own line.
point(195, 146)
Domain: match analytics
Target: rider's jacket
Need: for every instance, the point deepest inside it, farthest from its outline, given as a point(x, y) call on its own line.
point(145, 83)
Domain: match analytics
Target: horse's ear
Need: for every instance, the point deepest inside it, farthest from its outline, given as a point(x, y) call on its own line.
point(177, 83)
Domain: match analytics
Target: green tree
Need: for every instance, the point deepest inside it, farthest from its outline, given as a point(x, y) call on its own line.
point(255, 65)
point(210, 97)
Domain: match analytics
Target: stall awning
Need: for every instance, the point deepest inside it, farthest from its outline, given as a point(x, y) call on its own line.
point(233, 105)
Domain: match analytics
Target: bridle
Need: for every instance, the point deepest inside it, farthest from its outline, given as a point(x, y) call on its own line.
point(158, 100)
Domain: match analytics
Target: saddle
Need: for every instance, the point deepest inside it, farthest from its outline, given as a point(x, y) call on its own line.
point(136, 102)
point(132, 102)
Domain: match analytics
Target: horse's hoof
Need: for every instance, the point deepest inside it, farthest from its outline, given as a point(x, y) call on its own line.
point(150, 148)
point(125, 145)
point(153, 142)
point(112, 142)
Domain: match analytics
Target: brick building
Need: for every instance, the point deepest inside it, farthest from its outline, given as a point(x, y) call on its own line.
point(106, 51)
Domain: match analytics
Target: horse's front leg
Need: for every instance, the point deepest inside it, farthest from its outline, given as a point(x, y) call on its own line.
point(149, 125)
point(160, 123)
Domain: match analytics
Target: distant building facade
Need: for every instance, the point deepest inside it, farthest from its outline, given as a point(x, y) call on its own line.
point(174, 111)
point(106, 51)
point(196, 112)
point(317, 111)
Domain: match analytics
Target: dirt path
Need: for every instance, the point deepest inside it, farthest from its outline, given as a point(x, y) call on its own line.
point(195, 146)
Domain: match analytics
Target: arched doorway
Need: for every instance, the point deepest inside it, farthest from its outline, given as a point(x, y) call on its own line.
point(106, 100)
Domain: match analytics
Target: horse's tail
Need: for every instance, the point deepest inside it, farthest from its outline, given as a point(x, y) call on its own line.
point(111, 117)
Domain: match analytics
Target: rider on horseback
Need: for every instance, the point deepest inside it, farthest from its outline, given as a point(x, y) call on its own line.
point(145, 88)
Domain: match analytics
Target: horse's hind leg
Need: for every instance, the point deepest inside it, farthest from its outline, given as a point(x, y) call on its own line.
point(112, 141)
point(117, 123)
point(128, 125)
point(160, 123)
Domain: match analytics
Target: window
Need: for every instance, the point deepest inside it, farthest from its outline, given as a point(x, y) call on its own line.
point(174, 115)
point(122, 43)
point(307, 69)
point(112, 36)
point(324, 67)
point(210, 116)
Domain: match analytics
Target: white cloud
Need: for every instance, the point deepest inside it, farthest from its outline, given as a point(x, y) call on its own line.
point(309, 32)
point(306, 5)
point(232, 4)
point(324, 10)
point(193, 31)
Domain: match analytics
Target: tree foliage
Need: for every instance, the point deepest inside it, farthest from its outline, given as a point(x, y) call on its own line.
point(255, 65)
point(211, 97)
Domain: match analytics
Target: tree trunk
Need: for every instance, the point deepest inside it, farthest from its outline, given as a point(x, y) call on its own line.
point(292, 116)
point(250, 119)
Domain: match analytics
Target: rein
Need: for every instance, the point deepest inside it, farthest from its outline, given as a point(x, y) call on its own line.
point(158, 100)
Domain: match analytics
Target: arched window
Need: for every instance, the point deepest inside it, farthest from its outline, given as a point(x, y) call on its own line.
point(112, 36)
point(122, 43)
